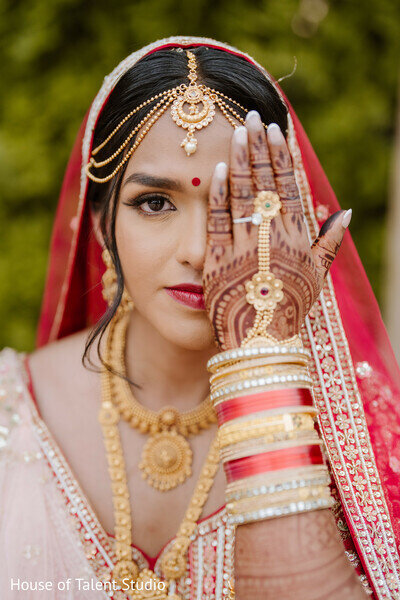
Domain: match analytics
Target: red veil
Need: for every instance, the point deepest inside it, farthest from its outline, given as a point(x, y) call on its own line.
point(356, 377)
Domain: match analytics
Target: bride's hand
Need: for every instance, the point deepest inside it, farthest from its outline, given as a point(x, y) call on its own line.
point(260, 161)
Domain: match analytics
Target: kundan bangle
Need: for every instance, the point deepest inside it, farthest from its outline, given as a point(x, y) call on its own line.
point(258, 372)
point(252, 501)
point(260, 361)
point(244, 441)
point(276, 481)
point(263, 425)
point(260, 384)
point(270, 506)
point(237, 354)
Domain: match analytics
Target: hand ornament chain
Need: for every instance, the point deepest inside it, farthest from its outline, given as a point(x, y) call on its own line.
point(264, 290)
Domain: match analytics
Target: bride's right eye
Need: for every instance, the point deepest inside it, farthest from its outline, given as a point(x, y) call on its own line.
point(155, 204)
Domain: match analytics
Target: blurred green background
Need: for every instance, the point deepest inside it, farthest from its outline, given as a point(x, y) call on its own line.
point(54, 55)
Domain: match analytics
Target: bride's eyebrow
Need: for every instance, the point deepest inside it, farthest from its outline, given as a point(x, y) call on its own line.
point(154, 181)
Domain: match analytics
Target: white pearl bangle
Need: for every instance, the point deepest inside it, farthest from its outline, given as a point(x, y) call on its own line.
point(252, 384)
point(238, 353)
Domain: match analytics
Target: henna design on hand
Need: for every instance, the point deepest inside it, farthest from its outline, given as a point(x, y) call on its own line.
point(286, 185)
point(241, 188)
point(225, 297)
point(326, 256)
point(224, 291)
point(326, 246)
point(219, 226)
point(263, 176)
point(297, 270)
point(232, 254)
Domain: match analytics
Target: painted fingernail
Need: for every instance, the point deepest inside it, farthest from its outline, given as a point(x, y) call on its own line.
point(274, 134)
point(221, 170)
point(253, 119)
point(347, 218)
point(241, 135)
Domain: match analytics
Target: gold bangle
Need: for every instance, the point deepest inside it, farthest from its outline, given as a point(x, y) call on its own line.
point(256, 380)
point(257, 372)
point(228, 357)
point(280, 511)
point(256, 386)
point(250, 490)
point(250, 439)
point(283, 496)
point(267, 482)
point(278, 499)
point(259, 362)
point(288, 421)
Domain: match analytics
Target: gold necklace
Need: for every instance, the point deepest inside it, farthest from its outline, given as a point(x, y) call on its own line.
point(167, 457)
point(173, 564)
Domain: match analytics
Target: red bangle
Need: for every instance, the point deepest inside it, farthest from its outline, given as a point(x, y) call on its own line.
point(246, 405)
point(288, 458)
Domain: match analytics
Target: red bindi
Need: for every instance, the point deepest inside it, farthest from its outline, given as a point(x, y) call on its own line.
point(196, 181)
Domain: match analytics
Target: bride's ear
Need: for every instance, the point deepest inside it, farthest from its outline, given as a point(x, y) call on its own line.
point(96, 229)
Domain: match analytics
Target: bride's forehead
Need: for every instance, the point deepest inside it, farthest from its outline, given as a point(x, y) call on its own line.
point(162, 144)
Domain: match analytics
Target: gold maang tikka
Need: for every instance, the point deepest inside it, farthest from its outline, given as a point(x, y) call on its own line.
point(193, 96)
point(193, 107)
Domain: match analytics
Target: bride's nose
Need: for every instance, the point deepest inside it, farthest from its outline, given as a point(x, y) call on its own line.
point(193, 236)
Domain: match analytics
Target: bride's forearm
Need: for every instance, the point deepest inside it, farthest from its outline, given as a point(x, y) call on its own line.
point(298, 557)
point(278, 494)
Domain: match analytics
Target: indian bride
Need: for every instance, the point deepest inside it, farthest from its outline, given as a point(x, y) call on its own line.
point(212, 411)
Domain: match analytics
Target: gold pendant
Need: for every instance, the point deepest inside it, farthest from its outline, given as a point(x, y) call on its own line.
point(166, 460)
point(125, 570)
point(150, 587)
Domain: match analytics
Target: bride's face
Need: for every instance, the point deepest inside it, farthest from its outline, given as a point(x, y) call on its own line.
point(161, 225)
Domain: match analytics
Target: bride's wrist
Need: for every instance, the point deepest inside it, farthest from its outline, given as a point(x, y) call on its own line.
point(230, 340)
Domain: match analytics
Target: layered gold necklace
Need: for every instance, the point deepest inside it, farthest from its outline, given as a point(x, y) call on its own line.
point(167, 457)
point(174, 561)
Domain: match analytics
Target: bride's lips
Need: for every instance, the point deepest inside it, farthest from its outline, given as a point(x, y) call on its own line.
point(189, 294)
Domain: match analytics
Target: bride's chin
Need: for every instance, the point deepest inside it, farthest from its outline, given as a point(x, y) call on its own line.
point(195, 337)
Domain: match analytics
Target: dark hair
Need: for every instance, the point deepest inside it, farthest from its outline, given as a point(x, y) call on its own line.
point(227, 73)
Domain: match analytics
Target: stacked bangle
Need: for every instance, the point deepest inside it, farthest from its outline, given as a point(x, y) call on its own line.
point(237, 354)
point(268, 441)
point(270, 374)
point(274, 481)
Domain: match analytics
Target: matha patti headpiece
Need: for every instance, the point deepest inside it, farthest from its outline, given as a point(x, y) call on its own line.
point(193, 107)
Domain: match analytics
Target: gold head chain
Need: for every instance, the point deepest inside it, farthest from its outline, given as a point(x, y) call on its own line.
point(193, 107)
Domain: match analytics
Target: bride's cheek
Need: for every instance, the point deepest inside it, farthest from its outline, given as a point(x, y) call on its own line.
point(142, 254)
point(131, 250)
